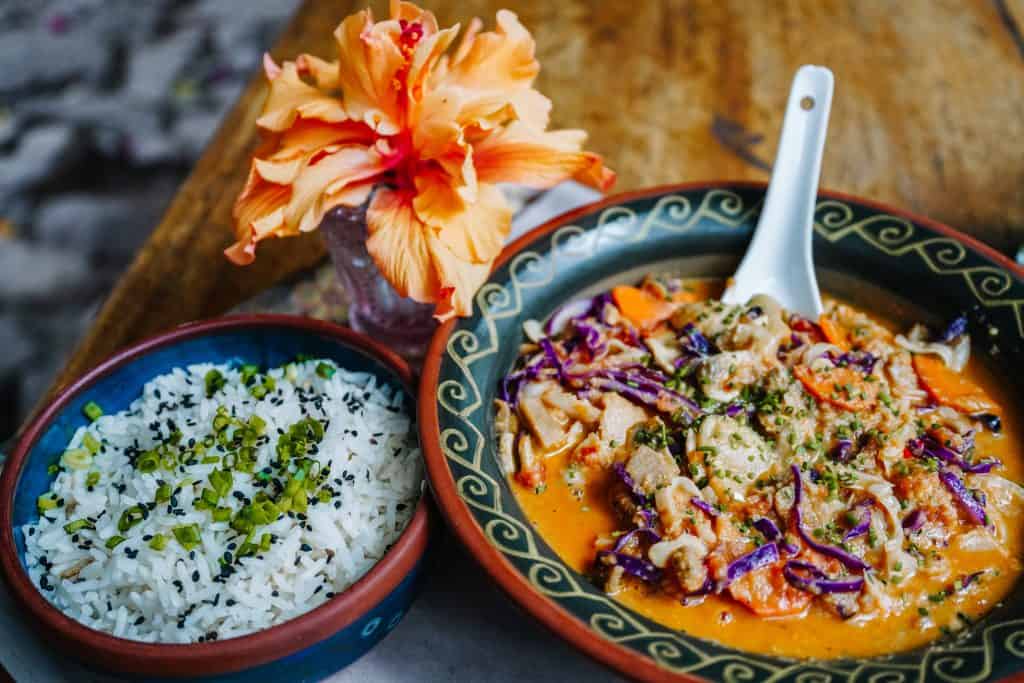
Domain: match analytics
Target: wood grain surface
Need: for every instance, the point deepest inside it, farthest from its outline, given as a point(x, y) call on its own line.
point(928, 115)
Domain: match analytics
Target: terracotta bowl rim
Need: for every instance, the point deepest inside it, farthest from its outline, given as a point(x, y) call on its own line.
point(232, 654)
point(457, 514)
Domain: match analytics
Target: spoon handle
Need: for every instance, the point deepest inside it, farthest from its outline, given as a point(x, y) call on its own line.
point(779, 261)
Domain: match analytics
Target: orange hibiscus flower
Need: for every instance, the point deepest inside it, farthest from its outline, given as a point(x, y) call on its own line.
point(432, 132)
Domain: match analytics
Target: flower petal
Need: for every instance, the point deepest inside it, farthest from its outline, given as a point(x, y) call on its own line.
point(323, 73)
point(258, 200)
point(330, 173)
point(398, 245)
point(495, 60)
point(459, 280)
point(291, 98)
point(369, 60)
point(521, 154)
point(478, 233)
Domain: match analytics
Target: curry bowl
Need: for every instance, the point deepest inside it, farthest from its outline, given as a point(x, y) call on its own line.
point(904, 267)
point(307, 647)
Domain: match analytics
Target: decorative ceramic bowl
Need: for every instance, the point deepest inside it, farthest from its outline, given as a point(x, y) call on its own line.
point(307, 648)
point(884, 259)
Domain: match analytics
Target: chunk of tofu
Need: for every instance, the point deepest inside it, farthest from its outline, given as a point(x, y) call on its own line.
point(734, 456)
point(591, 452)
point(724, 375)
point(651, 469)
point(575, 408)
point(548, 425)
point(618, 418)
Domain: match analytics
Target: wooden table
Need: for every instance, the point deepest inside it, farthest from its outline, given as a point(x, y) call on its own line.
point(928, 115)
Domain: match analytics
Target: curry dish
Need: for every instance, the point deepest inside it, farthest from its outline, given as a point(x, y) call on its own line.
point(786, 486)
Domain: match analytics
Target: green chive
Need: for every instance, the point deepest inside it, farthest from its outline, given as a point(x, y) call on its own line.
point(92, 411)
point(248, 372)
point(114, 541)
point(78, 525)
point(187, 535)
point(47, 501)
point(214, 382)
point(130, 518)
point(92, 479)
point(163, 493)
point(158, 542)
point(325, 370)
point(76, 458)
point(90, 443)
point(221, 481)
point(221, 514)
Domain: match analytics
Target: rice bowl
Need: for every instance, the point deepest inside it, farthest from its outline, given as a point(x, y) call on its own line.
point(310, 646)
point(150, 582)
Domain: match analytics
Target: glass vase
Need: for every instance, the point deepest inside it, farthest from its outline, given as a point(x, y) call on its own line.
point(375, 309)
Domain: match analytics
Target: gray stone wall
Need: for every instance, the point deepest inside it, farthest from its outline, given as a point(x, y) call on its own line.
point(104, 107)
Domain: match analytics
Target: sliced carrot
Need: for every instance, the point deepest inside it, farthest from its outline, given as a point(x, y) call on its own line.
point(845, 387)
point(767, 593)
point(640, 307)
point(835, 333)
point(950, 388)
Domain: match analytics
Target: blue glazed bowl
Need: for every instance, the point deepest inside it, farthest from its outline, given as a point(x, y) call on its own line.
point(307, 648)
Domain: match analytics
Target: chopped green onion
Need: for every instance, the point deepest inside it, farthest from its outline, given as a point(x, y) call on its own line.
point(158, 542)
point(92, 479)
point(265, 540)
point(210, 497)
point(47, 501)
point(325, 370)
point(163, 493)
point(187, 535)
point(221, 481)
point(214, 382)
point(130, 518)
point(92, 411)
point(257, 424)
point(90, 443)
point(147, 462)
point(210, 459)
point(76, 458)
point(78, 525)
point(248, 372)
point(114, 541)
point(53, 469)
point(221, 514)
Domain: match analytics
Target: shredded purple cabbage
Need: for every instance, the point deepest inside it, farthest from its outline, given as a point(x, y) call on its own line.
point(638, 495)
point(972, 507)
point(914, 521)
point(634, 566)
point(643, 386)
point(734, 409)
point(591, 337)
point(768, 528)
point(704, 507)
point(571, 311)
point(621, 541)
point(693, 597)
point(760, 557)
point(817, 581)
point(928, 446)
point(695, 343)
point(852, 562)
point(956, 327)
point(863, 523)
point(861, 360)
point(843, 451)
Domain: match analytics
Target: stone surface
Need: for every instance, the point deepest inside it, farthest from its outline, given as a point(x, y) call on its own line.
point(104, 107)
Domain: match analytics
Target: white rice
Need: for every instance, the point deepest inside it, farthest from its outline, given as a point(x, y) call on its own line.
point(176, 595)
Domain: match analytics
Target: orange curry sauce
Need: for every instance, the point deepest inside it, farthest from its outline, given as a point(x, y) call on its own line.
point(571, 524)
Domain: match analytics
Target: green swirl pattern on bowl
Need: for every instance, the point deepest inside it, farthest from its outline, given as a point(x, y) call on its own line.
point(918, 263)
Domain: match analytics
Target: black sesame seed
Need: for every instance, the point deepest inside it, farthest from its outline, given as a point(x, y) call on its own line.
point(140, 621)
point(195, 576)
point(306, 547)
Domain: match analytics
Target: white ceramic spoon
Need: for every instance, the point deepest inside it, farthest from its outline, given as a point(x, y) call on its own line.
point(779, 261)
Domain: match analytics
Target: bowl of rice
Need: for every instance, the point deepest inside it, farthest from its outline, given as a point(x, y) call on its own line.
point(237, 499)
